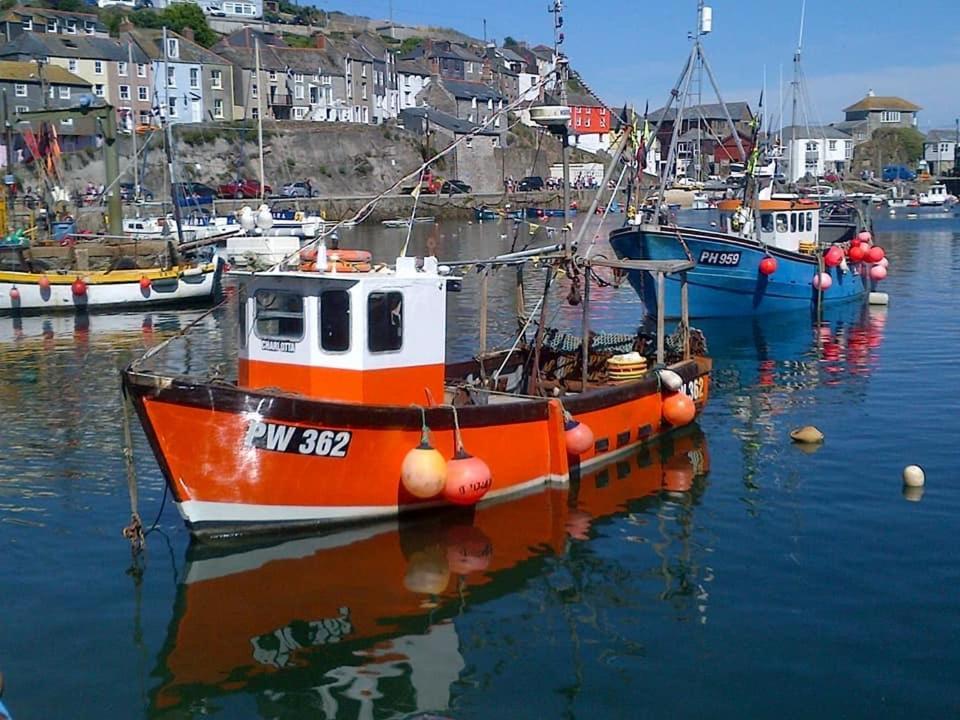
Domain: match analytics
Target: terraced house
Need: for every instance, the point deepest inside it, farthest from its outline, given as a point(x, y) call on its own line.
point(102, 61)
point(25, 19)
point(190, 83)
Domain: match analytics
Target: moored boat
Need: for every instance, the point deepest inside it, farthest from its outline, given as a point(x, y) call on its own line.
point(342, 377)
point(406, 222)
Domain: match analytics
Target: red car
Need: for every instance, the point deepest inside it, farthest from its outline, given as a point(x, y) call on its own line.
point(242, 189)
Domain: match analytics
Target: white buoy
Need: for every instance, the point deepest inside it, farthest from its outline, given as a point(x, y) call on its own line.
point(912, 494)
point(913, 476)
point(670, 380)
point(807, 434)
point(878, 298)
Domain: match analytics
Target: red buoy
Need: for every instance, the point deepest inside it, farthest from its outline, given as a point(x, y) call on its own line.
point(145, 283)
point(14, 294)
point(875, 254)
point(468, 479)
point(578, 437)
point(44, 282)
point(79, 287)
point(833, 256)
point(678, 409)
point(768, 266)
point(856, 253)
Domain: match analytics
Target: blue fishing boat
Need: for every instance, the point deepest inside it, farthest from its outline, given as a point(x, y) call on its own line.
point(741, 269)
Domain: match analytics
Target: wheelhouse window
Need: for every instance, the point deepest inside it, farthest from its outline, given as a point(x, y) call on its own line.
point(242, 317)
point(793, 222)
point(809, 221)
point(335, 320)
point(279, 315)
point(384, 321)
point(781, 222)
point(766, 222)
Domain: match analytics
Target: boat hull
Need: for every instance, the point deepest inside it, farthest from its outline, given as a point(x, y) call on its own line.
point(726, 281)
point(240, 461)
point(109, 290)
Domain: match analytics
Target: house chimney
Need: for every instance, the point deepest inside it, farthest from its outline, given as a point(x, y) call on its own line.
point(187, 32)
point(320, 41)
point(125, 25)
point(871, 93)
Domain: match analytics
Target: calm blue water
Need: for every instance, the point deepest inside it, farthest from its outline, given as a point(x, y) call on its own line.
point(726, 573)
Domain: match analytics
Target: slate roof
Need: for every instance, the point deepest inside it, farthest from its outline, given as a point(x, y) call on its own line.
point(462, 89)
point(413, 67)
point(937, 136)
point(442, 119)
point(739, 111)
point(23, 71)
point(69, 46)
point(239, 49)
point(814, 133)
point(882, 102)
point(18, 13)
point(150, 40)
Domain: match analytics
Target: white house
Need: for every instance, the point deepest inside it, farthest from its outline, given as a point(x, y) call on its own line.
point(816, 150)
point(940, 150)
point(412, 77)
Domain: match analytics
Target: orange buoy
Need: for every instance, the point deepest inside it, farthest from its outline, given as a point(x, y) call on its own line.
point(44, 282)
point(578, 437)
point(768, 266)
point(14, 294)
point(145, 283)
point(833, 256)
point(678, 474)
point(856, 253)
point(468, 479)
point(678, 409)
point(79, 287)
point(875, 254)
point(424, 471)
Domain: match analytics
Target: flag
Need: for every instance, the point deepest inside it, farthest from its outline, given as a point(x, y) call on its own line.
point(415, 193)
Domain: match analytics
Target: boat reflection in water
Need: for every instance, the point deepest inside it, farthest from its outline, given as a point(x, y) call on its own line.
point(367, 621)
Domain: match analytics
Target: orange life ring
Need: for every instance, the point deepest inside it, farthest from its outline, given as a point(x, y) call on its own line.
point(309, 255)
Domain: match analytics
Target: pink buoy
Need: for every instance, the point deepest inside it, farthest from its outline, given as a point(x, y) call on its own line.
point(14, 294)
point(768, 266)
point(864, 236)
point(44, 282)
point(468, 479)
point(875, 254)
point(145, 283)
point(878, 272)
point(79, 287)
point(884, 262)
point(578, 437)
point(822, 281)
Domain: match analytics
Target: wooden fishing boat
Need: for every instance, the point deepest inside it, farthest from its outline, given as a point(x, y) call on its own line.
point(253, 616)
point(342, 384)
point(405, 222)
point(47, 279)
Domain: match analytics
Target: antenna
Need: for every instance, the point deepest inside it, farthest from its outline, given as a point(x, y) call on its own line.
point(803, 14)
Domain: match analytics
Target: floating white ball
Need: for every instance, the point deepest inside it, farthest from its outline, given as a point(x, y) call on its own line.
point(913, 476)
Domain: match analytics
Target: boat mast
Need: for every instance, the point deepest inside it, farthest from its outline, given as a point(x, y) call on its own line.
point(563, 72)
point(168, 141)
point(256, 53)
point(133, 134)
point(795, 85)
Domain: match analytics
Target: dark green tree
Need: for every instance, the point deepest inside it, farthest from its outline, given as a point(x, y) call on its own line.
point(180, 15)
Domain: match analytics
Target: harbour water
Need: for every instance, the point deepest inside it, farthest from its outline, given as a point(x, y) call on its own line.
point(723, 573)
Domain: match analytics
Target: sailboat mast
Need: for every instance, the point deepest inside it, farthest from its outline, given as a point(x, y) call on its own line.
point(795, 96)
point(256, 51)
point(133, 134)
point(562, 78)
point(168, 140)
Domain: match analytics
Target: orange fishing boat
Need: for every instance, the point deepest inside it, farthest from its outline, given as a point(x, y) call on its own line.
point(345, 409)
point(262, 619)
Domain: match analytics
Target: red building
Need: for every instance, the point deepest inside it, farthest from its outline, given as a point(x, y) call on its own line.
point(588, 119)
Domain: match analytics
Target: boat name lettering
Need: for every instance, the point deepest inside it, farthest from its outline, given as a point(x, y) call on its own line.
point(279, 345)
point(694, 388)
point(299, 440)
point(713, 257)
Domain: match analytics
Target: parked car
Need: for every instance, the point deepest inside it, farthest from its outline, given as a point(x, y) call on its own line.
point(297, 190)
point(687, 183)
point(530, 183)
point(831, 177)
point(242, 189)
point(126, 193)
point(898, 172)
point(194, 193)
point(454, 187)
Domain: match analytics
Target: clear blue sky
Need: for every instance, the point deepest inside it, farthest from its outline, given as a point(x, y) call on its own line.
point(634, 51)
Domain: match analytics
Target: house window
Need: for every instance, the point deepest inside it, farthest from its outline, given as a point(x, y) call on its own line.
point(141, 70)
point(171, 77)
point(216, 79)
point(98, 67)
point(254, 92)
point(832, 145)
point(20, 90)
point(71, 27)
point(298, 77)
point(335, 320)
point(272, 75)
point(28, 24)
point(52, 26)
point(490, 104)
point(72, 65)
point(194, 77)
point(88, 27)
point(144, 117)
point(586, 122)
point(298, 92)
point(298, 113)
point(218, 108)
point(384, 321)
point(279, 315)
point(143, 93)
point(812, 147)
point(172, 107)
point(124, 92)
point(363, 91)
point(173, 49)
point(469, 68)
point(363, 71)
point(122, 68)
point(21, 109)
point(890, 116)
point(68, 122)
